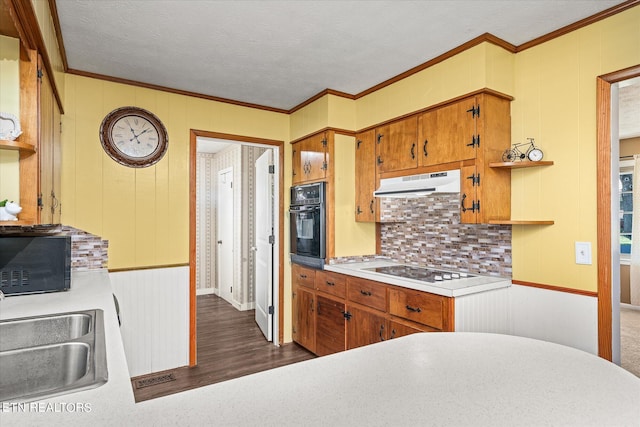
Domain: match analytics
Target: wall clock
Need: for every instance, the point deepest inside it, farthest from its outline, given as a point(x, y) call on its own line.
point(133, 137)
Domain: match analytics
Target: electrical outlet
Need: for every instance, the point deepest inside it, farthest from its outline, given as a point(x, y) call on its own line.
point(583, 253)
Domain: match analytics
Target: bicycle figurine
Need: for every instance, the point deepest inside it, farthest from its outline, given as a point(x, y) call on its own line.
point(515, 153)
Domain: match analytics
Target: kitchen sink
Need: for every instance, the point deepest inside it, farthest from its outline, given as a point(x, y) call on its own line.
point(35, 331)
point(46, 356)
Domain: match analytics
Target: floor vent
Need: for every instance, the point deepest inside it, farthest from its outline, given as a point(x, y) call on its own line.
point(150, 381)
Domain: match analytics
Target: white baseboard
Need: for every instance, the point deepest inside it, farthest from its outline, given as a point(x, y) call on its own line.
point(205, 291)
point(630, 306)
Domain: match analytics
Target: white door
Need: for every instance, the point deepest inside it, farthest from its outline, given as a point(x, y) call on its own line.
point(263, 244)
point(225, 234)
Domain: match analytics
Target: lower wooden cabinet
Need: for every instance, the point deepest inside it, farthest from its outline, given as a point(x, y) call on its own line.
point(330, 326)
point(333, 312)
point(397, 329)
point(365, 327)
point(304, 326)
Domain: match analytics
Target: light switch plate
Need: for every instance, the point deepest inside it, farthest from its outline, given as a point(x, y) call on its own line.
point(583, 253)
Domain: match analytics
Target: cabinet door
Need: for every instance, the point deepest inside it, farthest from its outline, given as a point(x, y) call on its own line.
point(365, 327)
point(313, 154)
point(469, 203)
point(448, 133)
point(330, 326)
point(49, 154)
point(396, 145)
point(297, 173)
point(304, 330)
point(365, 170)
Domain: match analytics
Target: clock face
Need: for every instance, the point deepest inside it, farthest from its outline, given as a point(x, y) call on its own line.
point(535, 155)
point(133, 137)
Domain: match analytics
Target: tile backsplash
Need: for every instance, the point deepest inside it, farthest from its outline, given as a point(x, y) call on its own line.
point(88, 251)
point(427, 231)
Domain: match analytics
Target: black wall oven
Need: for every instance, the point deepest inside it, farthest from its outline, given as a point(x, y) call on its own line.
point(308, 224)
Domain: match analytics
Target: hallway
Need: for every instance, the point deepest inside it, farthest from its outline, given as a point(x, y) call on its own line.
point(230, 345)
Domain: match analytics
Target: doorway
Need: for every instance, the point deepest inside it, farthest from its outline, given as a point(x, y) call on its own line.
point(608, 226)
point(243, 182)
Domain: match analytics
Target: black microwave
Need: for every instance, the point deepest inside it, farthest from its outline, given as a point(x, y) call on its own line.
point(35, 264)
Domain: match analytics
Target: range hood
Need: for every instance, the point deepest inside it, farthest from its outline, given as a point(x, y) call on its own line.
point(420, 185)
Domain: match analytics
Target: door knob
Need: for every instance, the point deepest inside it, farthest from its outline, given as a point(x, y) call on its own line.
point(219, 242)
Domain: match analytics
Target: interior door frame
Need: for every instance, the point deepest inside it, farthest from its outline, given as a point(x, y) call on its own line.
point(603, 174)
point(193, 135)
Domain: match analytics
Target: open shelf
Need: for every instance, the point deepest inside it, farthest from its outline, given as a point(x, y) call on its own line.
point(519, 222)
point(16, 223)
point(17, 145)
point(517, 165)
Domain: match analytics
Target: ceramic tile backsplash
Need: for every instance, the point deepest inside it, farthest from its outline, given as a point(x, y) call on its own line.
point(427, 231)
point(88, 251)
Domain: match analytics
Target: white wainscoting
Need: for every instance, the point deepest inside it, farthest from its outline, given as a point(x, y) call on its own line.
point(559, 317)
point(484, 312)
point(154, 310)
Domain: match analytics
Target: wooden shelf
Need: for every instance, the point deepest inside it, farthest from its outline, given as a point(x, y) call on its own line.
point(519, 222)
point(16, 223)
point(17, 145)
point(517, 165)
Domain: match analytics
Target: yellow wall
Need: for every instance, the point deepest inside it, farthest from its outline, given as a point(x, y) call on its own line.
point(9, 103)
point(484, 65)
point(555, 103)
point(142, 212)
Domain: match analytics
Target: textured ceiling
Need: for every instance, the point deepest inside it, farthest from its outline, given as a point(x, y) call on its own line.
point(280, 53)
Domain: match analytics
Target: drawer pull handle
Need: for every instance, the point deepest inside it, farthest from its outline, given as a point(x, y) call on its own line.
point(303, 276)
point(330, 283)
point(365, 293)
point(414, 309)
point(381, 332)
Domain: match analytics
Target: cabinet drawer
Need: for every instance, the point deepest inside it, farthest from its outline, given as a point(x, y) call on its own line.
point(303, 276)
point(331, 283)
point(420, 307)
point(367, 293)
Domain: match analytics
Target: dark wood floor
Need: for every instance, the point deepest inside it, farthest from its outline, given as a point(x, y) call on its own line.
point(230, 345)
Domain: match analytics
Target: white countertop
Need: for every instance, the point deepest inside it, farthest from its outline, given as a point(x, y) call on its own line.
point(447, 288)
point(447, 379)
point(89, 290)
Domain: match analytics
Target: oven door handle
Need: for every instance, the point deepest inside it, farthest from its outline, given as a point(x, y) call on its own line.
point(303, 208)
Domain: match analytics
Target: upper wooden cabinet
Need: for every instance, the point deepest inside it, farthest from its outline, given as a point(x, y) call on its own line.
point(448, 134)
point(49, 155)
point(310, 159)
point(467, 133)
point(367, 206)
point(486, 192)
point(397, 145)
point(39, 145)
